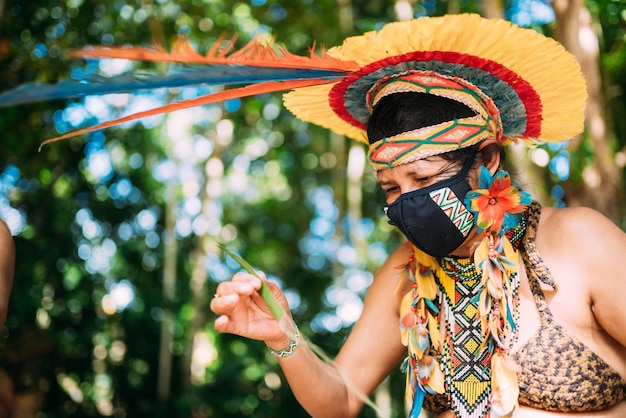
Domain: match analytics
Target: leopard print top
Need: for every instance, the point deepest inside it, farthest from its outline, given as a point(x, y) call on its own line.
point(559, 373)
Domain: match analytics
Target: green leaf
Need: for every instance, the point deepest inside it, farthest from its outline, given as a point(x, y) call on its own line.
point(266, 294)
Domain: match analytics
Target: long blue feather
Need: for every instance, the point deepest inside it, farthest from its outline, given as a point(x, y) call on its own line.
point(418, 401)
point(194, 76)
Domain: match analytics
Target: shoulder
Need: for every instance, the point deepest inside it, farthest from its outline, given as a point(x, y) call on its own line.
point(7, 269)
point(401, 253)
point(389, 275)
point(565, 217)
point(578, 225)
point(587, 251)
point(7, 247)
point(397, 261)
point(5, 234)
point(580, 237)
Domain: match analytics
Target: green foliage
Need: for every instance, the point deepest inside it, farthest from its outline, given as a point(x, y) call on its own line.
point(612, 20)
point(63, 343)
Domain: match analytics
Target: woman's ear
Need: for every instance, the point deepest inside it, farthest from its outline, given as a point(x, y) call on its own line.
point(490, 153)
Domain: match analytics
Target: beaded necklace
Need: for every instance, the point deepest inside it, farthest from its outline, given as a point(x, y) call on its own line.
point(459, 319)
point(467, 353)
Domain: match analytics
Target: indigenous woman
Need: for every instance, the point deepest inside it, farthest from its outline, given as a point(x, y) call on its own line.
point(495, 306)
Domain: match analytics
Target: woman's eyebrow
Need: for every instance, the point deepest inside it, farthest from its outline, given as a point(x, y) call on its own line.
point(385, 182)
point(423, 172)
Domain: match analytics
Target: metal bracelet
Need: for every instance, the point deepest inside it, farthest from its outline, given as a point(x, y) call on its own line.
point(291, 347)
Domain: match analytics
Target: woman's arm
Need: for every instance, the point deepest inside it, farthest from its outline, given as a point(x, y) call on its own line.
point(7, 267)
point(605, 257)
point(369, 354)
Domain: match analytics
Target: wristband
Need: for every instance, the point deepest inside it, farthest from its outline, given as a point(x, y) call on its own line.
point(291, 347)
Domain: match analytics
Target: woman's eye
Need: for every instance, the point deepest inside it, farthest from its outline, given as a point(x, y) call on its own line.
point(424, 180)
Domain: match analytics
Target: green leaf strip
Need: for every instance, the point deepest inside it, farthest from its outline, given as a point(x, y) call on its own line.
point(266, 294)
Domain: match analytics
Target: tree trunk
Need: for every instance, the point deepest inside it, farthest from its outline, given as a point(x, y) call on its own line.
point(169, 286)
point(602, 181)
point(492, 9)
point(198, 354)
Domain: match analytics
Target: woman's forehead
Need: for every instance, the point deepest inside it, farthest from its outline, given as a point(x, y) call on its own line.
point(424, 167)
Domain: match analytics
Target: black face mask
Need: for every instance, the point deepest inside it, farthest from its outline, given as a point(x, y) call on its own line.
point(435, 218)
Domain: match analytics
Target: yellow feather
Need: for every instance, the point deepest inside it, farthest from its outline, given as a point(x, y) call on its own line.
point(403, 281)
point(435, 334)
point(510, 254)
point(412, 344)
point(405, 307)
point(480, 254)
point(436, 379)
point(408, 389)
point(504, 385)
point(311, 105)
point(426, 285)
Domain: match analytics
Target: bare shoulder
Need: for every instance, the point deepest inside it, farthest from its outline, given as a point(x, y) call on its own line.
point(576, 229)
point(395, 263)
point(7, 269)
point(7, 247)
point(388, 277)
point(4, 231)
point(584, 250)
point(579, 245)
point(399, 257)
point(567, 217)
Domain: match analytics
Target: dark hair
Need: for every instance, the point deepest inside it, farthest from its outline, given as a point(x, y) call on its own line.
point(403, 112)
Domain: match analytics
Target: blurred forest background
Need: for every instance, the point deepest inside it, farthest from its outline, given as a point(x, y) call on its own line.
point(115, 231)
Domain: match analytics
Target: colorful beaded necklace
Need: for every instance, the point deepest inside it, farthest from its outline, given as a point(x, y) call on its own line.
point(459, 319)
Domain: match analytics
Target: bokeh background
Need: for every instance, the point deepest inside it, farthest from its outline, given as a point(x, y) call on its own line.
point(115, 231)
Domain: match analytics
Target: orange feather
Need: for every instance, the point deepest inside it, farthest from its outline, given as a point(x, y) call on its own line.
point(249, 90)
point(257, 53)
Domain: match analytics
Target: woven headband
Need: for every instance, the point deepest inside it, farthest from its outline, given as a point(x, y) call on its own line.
point(437, 139)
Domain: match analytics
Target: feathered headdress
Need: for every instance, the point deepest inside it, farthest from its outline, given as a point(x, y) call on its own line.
point(534, 85)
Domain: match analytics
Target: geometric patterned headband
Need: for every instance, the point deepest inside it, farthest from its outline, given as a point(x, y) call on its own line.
point(417, 144)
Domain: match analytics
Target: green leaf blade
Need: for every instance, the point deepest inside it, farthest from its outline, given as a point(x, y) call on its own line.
point(266, 294)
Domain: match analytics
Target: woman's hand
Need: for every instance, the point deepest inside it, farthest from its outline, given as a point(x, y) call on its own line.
point(242, 311)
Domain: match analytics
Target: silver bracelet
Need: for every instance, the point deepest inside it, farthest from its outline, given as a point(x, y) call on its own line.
point(291, 347)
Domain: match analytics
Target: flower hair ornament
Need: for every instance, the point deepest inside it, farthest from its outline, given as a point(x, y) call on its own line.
point(521, 85)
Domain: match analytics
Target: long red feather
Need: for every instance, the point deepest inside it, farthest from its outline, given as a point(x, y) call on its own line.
point(257, 53)
point(249, 90)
